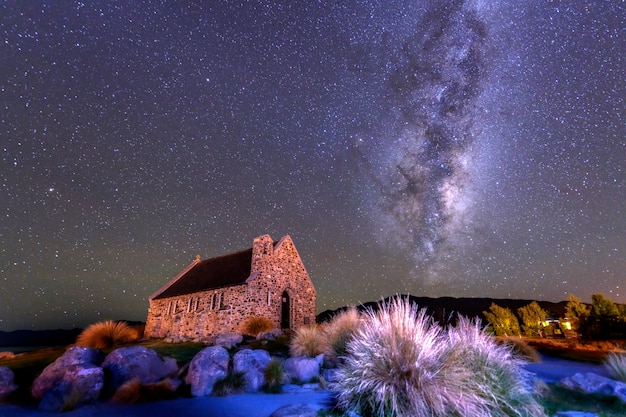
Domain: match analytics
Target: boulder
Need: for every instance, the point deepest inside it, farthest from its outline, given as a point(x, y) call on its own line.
point(6, 383)
point(302, 368)
point(330, 375)
point(206, 368)
point(574, 414)
point(590, 383)
point(227, 340)
point(67, 367)
point(296, 410)
point(271, 335)
point(252, 363)
point(298, 389)
point(139, 362)
point(81, 384)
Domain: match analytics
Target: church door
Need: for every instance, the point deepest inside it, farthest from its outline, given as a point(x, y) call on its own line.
point(285, 310)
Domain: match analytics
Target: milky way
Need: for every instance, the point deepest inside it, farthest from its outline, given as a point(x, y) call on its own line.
point(436, 79)
point(464, 148)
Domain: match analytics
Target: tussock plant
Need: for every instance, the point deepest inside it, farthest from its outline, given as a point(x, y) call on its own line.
point(340, 330)
point(496, 381)
point(106, 334)
point(232, 384)
point(615, 363)
point(257, 324)
point(400, 363)
point(274, 376)
point(394, 366)
point(308, 341)
point(522, 349)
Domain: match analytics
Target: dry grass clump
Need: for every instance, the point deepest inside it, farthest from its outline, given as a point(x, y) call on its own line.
point(106, 334)
point(308, 341)
point(615, 363)
point(257, 324)
point(340, 330)
point(523, 349)
point(401, 363)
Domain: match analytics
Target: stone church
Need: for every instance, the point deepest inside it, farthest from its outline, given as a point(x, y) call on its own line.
point(217, 295)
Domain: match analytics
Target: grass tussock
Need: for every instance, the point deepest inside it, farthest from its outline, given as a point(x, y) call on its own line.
point(257, 324)
point(493, 374)
point(134, 392)
point(232, 384)
point(615, 363)
point(275, 377)
point(106, 334)
point(308, 341)
point(340, 330)
point(522, 349)
point(401, 363)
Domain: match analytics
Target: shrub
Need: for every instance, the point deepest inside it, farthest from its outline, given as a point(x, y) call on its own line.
point(274, 376)
point(106, 334)
point(615, 363)
point(257, 324)
point(309, 341)
point(340, 330)
point(400, 363)
point(232, 384)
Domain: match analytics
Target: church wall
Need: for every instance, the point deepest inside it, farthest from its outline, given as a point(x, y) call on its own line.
point(203, 314)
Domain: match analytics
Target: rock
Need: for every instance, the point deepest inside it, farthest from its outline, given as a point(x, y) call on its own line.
point(271, 335)
point(207, 367)
point(253, 364)
point(7, 355)
point(296, 389)
point(66, 367)
point(296, 410)
point(320, 359)
point(574, 414)
point(302, 368)
point(330, 375)
point(591, 383)
point(227, 340)
point(147, 365)
point(81, 384)
point(6, 383)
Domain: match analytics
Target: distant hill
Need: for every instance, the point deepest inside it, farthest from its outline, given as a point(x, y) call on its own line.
point(58, 337)
point(442, 308)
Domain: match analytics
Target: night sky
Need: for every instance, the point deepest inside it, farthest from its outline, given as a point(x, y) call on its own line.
point(438, 148)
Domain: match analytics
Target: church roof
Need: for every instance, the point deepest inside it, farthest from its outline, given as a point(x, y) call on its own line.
point(209, 274)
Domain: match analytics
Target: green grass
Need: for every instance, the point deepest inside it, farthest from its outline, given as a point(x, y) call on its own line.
point(183, 352)
point(27, 367)
point(561, 399)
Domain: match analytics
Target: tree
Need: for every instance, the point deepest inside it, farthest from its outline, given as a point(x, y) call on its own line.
point(603, 308)
point(503, 321)
point(604, 318)
point(577, 313)
point(532, 316)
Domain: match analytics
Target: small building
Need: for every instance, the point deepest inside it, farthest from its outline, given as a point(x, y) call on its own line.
point(217, 295)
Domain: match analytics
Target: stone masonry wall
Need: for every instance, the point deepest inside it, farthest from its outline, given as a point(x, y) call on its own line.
point(203, 314)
